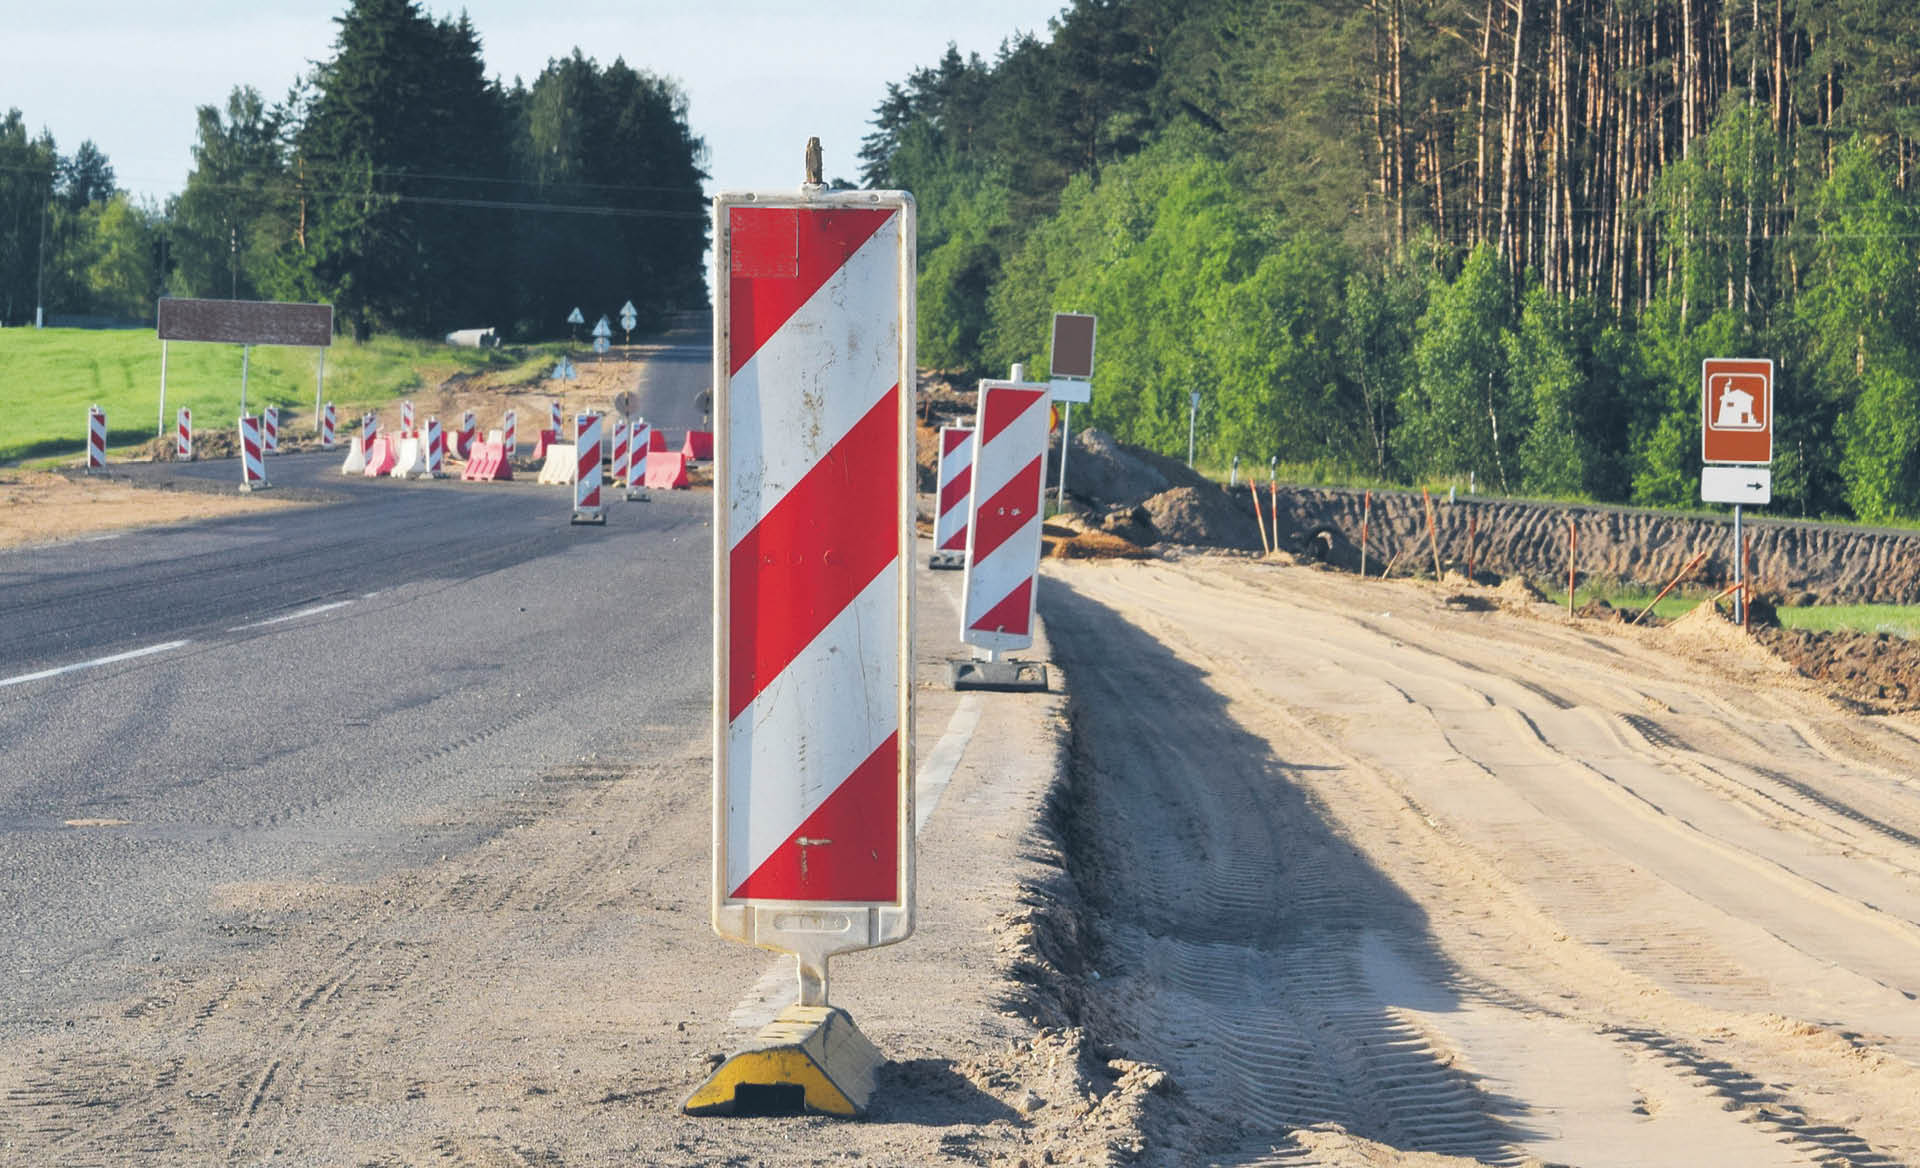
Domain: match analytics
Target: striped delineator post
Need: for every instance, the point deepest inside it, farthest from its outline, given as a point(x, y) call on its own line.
point(96, 439)
point(270, 430)
point(955, 493)
point(466, 433)
point(253, 466)
point(506, 434)
point(328, 420)
point(406, 418)
point(639, 438)
point(436, 450)
point(1003, 534)
point(588, 507)
point(369, 429)
point(183, 435)
point(619, 449)
point(813, 541)
point(553, 417)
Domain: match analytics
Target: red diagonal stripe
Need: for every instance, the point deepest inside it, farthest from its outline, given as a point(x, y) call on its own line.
point(1004, 406)
point(779, 257)
point(836, 530)
point(956, 491)
point(587, 458)
point(1011, 508)
point(1011, 614)
point(955, 440)
point(859, 832)
point(957, 542)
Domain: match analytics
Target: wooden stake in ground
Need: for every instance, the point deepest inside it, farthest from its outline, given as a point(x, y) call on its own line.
point(1265, 547)
point(1366, 513)
point(1433, 537)
point(1473, 525)
point(1671, 584)
point(1573, 546)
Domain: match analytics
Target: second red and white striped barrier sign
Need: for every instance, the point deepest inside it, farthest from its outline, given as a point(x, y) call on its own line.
point(553, 418)
point(96, 439)
point(588, 506)
point(464, 442)
point(619, 450)
point(639, 438)
point(813, 542)
point(270, 430)
point(507, 435)
point(369, 429)
point(955, 493)
point(1003, 535)
point(183, 435)
point(436, 450)
point(406, 418)
point(328, 420)
point(253, 465)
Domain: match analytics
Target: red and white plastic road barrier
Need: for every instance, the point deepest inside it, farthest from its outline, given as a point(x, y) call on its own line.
point(96, 439)
point(253, 465)
point(328, 421)
point(1003, 535)
point(588, 507)
point(956, 479)
point(699, 445)
point(383, 454)
point(639, 440)
point(406, 418)
point(619, 450)
point(270, 430)
point(666, 472)
point(183, 435)
point(813, 542)
point(436, 450)
point(356, 463)
point(487, 462)
point(506, 435)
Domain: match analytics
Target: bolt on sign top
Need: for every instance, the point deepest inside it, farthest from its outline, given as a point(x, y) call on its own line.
point(813, 542)
point(1736, 410)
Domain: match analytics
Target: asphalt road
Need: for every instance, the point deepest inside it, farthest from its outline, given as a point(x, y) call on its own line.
point(330, 692)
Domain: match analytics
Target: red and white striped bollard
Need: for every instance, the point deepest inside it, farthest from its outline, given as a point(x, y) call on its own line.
point(620, 449)
point(955, 493)
point(587, 504)
point(270, 430)
point(96, 439)
point(1003, 530)
point(506, 434)
point(183, 435)
point(436, 449)
point(328, 420)
point(253, 466)
point(639, 438)
point(406, 418)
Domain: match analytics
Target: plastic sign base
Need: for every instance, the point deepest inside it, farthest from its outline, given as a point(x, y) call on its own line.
point(596, 518)
point(808, 1059)
point(948, 561)
point(1001, 676)
point(249, 488)
point(636, 495)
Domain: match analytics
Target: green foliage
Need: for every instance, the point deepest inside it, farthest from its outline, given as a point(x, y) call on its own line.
point(1463, 415)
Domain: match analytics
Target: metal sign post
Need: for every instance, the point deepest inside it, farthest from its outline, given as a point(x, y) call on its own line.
point(813, 846)
point(1193, 411)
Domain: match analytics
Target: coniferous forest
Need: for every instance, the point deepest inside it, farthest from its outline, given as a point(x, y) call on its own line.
point(395, 181)
point(1429, 240)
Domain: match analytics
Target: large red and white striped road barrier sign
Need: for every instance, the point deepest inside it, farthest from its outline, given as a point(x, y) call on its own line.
point(96, 439)
point(639, 439)
point(619, 450)
point(183, 435)
point(436, 450)
point(328, 421)
point(813, 507)
point(956, 478)
point(588, 506)
point(253, 464)
point(1003, 535)
point(506, 435)
point(270, 430)
point(406, 418)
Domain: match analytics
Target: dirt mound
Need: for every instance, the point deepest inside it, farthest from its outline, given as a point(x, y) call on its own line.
point(1706, 628)
point(1599, 609)
point(1875, 670)
point(1080, 537)
point(1202, 517)
point(1518, 591)
point(206, 444)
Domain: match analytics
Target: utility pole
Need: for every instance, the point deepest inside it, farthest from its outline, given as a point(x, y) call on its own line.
point(233, 262)
point(40, 281)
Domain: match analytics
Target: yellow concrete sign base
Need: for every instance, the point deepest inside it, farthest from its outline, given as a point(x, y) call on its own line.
point(810, 1058)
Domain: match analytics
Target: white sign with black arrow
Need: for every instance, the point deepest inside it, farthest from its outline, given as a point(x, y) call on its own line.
point(1736, 484)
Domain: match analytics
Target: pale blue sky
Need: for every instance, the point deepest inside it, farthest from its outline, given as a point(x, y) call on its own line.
point(760, 75)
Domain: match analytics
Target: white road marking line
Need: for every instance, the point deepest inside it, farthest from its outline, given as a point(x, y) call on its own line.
point(316, 609)
point(779, 985)
point(100, 538)
point(127, 656)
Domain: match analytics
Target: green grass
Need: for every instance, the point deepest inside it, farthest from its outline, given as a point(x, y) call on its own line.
point(1902, 620)
point(48, 378)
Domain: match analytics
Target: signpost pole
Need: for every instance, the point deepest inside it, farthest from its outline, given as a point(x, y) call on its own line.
point(162, 429)
point(1066, 441)
point(1193, 411)
point(246, 355)
point(1739, 577)
point(319, 389)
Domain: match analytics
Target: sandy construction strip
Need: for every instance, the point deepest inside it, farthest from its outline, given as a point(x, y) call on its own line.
point(43, 507)
point(1378, 879)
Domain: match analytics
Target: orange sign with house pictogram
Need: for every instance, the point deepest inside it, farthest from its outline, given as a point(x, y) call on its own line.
point(1736, 410)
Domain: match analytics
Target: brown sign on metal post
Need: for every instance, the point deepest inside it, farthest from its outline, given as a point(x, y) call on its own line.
point(246, 322)
point(1073, 345)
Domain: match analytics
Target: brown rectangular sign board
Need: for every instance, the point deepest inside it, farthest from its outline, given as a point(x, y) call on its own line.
point(1072, 344)
point(246, 322)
